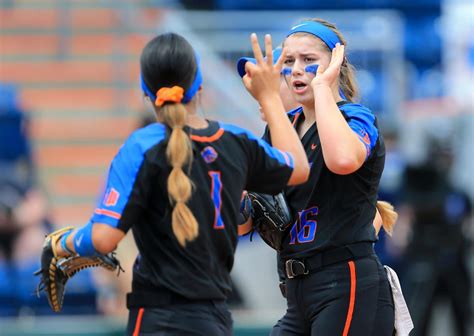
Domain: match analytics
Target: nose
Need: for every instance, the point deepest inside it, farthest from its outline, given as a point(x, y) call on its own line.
point(298, 68)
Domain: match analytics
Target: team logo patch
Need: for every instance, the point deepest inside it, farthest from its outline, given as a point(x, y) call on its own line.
point(209, 154)
point(111, 197)
point(364, 136)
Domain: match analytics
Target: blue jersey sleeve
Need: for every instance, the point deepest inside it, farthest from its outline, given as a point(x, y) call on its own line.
point(123, 174)
point(269, 169)
point(362, 121)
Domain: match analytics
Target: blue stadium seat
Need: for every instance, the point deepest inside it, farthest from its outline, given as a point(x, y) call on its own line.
point(8, 297)
point(14, 143)
point(422, 40)
point(18, 292)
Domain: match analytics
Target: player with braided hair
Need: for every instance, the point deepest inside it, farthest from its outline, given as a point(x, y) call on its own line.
point(177, 184)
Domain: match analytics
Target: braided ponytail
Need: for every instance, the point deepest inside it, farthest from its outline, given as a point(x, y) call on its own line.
point(179, 153)
point(170, 77)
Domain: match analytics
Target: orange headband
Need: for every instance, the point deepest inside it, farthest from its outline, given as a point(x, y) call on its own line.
point(165, 94)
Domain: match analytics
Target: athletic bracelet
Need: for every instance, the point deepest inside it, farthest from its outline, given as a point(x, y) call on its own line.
point(63, 242)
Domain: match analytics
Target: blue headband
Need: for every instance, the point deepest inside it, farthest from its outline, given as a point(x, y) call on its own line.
point(322, 32)
point(241, 62)
point(189, 94)
point(319, 30)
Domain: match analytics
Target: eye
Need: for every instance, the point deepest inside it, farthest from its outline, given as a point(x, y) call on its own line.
point(289, 61)
point(310, 59)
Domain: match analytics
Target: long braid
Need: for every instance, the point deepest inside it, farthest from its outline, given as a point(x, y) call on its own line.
point(179, 153)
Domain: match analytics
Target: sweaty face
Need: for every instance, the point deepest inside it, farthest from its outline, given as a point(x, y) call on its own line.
point(303, 50)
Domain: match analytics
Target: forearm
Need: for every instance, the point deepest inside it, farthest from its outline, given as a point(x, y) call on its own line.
point(284, 136)
point(343, 152)
point(91, 239)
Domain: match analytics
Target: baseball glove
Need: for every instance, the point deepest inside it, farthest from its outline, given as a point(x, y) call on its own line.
point(56, 271)
point(271, 217)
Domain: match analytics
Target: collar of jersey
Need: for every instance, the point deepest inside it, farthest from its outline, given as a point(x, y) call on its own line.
point(211, 132)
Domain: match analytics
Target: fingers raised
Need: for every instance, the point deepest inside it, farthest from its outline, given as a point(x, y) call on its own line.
point(257, 52)
point(268, 49)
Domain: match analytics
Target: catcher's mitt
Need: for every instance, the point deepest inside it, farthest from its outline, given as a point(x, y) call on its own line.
point(56, 271)
point(271, 217)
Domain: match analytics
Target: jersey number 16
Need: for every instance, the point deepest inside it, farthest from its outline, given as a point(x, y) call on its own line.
point(304, 229)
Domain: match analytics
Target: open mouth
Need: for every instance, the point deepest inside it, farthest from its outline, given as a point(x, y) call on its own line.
point(299, 86)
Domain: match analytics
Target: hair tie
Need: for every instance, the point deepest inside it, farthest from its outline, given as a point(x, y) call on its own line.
point(165, 94)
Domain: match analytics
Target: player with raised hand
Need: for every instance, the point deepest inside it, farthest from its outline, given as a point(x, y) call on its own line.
point(177, 184)
point(335, 282)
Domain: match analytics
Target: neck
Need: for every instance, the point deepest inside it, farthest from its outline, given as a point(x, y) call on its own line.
point(193, 119)
point(309, 113)
point(309, 110)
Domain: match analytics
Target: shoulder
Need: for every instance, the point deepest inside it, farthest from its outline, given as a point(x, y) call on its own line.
point(132, 152)
point(245, 136)
point(144, 138)
point(354, 110)
point(237, 130)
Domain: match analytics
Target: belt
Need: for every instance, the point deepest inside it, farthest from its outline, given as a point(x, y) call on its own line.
point(299, 267)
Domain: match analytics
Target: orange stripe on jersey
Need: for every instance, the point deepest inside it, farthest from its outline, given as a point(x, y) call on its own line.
point(297, 115)
point(350, 311)
point(109, 213)
point(211, 138)
point(245, 228)
point(136, 331)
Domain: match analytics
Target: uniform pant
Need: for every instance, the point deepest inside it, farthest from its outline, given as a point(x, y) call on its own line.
point(197, 319)
point(351, 298)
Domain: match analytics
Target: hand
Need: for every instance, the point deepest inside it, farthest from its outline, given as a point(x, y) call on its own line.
point(262, 80)
point(329, 77)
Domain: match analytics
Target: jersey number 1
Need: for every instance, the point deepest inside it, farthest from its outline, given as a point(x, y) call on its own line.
point(216, 191)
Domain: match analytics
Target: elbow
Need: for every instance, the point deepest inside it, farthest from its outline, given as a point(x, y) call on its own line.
point(104, 246)
point(301, 174)
point(343, 165)
point(106, 238)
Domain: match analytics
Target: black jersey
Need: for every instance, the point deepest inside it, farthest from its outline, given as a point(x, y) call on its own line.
point(226, 160)
point(333, 210)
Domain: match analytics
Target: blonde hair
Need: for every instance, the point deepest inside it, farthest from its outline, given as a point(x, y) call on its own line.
point(388, 214)
point(179, 153)
point(347, 79)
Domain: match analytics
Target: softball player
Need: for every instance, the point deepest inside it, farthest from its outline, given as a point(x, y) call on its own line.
point(335, 282)
point(178, 183)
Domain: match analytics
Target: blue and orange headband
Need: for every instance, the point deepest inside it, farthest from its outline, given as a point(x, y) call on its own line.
point(176, 93)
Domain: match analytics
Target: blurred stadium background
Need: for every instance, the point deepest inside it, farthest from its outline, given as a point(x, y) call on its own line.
point(69, 95)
